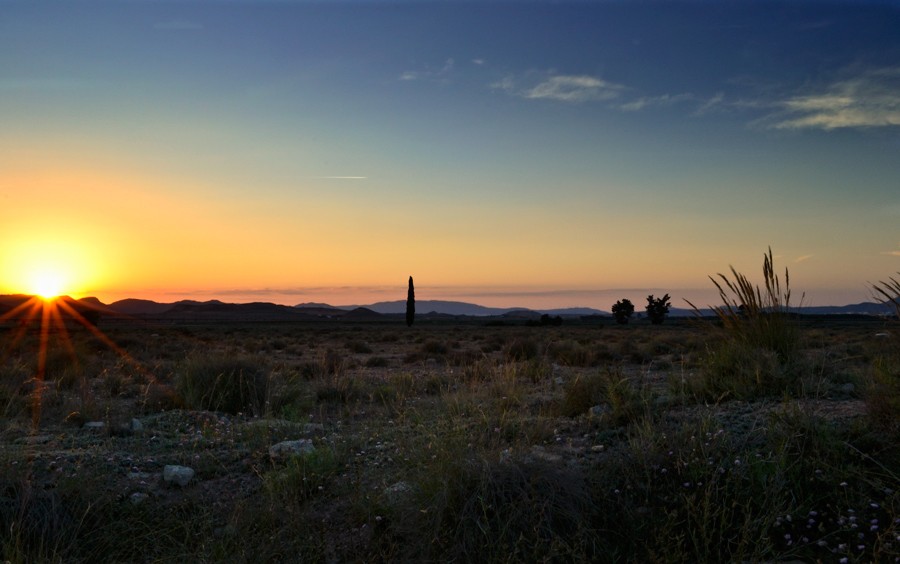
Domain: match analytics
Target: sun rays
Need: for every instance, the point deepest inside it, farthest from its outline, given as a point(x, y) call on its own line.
point(54, 316)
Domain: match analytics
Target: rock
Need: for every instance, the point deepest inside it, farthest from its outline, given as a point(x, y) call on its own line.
point(179, 475)
point(285, 449)
point(34, 439)
point(541, 453)
point(138, 497)
point(397, 492)
point(136, 425)
point(94, 425)
point(848, 388)
point(559, 381)
point(599, 410)
point(312, 428)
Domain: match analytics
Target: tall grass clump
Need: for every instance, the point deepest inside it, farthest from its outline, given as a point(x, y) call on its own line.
point(219, 382)
point(882, 390)
point(888, 292)
point(486, 510)
point(758, 352)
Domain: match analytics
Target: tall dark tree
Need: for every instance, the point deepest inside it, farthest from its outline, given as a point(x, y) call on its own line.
point(622, 310)
point(410, 304)
point(657, 309)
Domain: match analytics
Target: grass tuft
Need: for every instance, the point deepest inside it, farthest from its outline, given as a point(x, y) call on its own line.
point(218, 382)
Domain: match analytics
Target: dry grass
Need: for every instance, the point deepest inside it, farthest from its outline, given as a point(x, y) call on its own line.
point(461, 442)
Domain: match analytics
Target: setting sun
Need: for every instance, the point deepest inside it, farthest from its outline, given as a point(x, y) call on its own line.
point(46, 282)
point(45, 268)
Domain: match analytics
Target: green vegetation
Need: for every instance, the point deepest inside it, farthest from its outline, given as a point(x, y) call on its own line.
point(760, 436)
point(221, 382)
point(757, 352)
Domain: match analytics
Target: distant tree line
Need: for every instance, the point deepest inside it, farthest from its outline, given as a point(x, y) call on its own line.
point(657, 309)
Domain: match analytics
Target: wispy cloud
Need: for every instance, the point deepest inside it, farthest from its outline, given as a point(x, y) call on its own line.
point(895, 253)
point(803, 258)
point(645, 102)
point(440, 74)
point(871, 99)
point(573, 88)
point(561, 88)
point(711, 104)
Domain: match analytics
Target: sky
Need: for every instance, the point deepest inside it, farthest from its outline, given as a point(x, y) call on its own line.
point(508, 153)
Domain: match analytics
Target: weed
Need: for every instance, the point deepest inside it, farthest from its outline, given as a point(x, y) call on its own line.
point(218, 382)
point(301, 477)
point(758, 354)
point(522, 349)
point(377, 362)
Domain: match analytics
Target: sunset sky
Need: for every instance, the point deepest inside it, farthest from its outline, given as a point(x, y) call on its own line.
point(541, 154)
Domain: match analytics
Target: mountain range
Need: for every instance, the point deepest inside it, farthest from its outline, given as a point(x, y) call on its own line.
point(264, 311)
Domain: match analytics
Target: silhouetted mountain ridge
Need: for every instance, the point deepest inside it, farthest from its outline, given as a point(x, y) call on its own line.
point(217, 309)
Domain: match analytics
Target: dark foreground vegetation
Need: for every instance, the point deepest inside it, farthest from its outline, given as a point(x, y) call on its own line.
point(753, 437)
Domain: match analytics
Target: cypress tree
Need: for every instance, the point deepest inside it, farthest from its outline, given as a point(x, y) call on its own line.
point(410, 304)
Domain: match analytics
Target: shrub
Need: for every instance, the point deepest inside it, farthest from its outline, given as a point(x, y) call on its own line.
point(570, 353)
point(759, 352)
point(359, 347)
point(657, 309)
point(377, 362)
point(233, 384)
point(489, 511)
point(302, 477)
point(521, 349)
point(435, 348)
point(888, 292)
point(328, 363)
point(622, 310)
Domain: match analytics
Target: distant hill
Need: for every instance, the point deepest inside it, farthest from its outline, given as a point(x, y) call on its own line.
point(132, 306)
point(437, 306)
point(15, 307)
point(261, 311)
point(446, 307)
point(209, 310)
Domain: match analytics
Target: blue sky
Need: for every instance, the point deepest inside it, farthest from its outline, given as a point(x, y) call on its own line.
point(559, 153)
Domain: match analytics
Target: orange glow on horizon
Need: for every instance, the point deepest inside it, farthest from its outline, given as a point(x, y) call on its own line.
point(45, 269)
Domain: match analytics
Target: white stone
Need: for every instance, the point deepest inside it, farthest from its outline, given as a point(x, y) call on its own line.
point(138, 498)
point(290, 448)
point(180, 475)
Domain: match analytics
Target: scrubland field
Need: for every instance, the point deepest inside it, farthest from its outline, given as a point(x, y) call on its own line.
point(684, 442)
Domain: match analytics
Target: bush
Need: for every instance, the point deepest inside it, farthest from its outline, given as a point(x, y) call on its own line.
point(888, 292)
point(521, 349)
point(497, 512)
point(759, 352)
point(622, 310)
point(435, 348)
point(377, 362)
point(232, 384)
point(657, 309)
point(302, 477)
